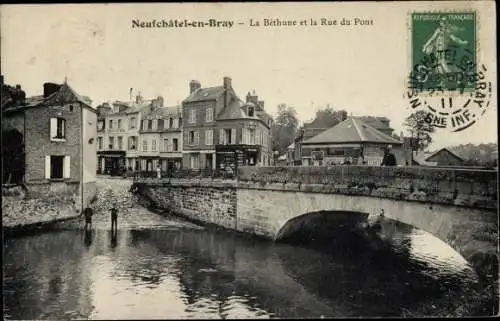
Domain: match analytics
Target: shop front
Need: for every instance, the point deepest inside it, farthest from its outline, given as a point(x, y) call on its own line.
point(111, 162)
point(236, 155)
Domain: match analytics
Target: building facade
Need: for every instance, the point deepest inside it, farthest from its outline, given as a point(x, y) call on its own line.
point(58, 131)
point(161, 138)
point(219, 130)
point(119, 129)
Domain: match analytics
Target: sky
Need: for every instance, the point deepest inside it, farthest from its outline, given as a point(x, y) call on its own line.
point(362, 69)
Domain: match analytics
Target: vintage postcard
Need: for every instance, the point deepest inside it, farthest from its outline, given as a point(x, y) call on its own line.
point(249, 160)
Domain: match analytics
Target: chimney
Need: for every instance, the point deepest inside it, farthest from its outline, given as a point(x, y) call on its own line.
point(49, 88)
point(194, 85)
point(261, 103)
point(227, 83)
point(227, 88)
point(138, 99)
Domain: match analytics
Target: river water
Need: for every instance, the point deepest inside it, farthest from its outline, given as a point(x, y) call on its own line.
point(162, 267)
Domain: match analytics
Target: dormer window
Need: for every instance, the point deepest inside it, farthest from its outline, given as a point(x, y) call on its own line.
point(251, 111)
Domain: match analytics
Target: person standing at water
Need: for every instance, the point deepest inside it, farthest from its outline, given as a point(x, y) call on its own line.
point(114, 218)
point(87, 213)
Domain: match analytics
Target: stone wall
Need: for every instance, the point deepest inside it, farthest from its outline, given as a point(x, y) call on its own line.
point(459, 187)
point(205, 202)
point(40, 203)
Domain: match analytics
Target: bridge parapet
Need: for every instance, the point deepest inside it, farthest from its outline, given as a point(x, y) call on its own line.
point(458, 187)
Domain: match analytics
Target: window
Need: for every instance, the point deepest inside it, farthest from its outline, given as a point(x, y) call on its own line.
point(179, 122)
point(210, 115)
point(132, 123)
point(132, 142)
point(192, 116)
point(251, 111)
point(153, 145)
point(171, 123)
point(144, 145)
point(120, 142)
point(165, 145)
point(57, 129)
point(252, 136)
point(57, 167)
point(160, 123)
point(175, 144)
point(209, 137)
point(154, 123)
point(111, 142)
point(119, 124)
point(195, 160)
point(229, 136)
point(193, 138)
point(111, 124)
point(144, 124)
point(99, 142)
point(150, 124)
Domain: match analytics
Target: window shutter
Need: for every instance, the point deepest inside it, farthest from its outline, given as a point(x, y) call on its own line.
point(47, 167)
point(196, 137)
point(53, 127)
point(233, 135)
point(244, 136)
point(67, 167)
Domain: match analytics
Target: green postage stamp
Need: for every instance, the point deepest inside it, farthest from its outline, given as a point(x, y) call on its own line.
point(443, 51)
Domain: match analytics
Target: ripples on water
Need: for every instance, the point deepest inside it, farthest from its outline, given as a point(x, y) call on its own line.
point(196, 273)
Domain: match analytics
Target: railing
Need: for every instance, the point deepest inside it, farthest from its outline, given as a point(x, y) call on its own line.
point(183, 173)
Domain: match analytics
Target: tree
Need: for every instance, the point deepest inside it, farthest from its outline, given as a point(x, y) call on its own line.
point(329, 117)
point(284, 128)
point(420, 130)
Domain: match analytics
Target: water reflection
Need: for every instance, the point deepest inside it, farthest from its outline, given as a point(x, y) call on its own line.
point(178, 273)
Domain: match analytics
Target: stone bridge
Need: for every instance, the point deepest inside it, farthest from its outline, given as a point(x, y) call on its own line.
point(457, 206)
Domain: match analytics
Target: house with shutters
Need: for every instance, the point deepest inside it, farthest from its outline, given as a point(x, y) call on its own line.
point(220, 130)
point(161, 138)
point(58, 131)
point(119, 129)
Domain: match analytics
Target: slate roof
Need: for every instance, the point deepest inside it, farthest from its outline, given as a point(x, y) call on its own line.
point(352, 130)
point(375, 122)
point(202, 94)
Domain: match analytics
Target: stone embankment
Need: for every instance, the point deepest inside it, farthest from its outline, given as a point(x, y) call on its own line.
point(34, 207)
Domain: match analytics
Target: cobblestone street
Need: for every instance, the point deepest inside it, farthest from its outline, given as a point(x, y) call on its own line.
point(131, 215)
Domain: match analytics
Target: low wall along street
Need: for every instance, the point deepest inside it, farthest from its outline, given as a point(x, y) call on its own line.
point(457, 206)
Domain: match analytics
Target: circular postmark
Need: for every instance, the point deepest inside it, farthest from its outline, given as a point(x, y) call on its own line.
point(453, 91)
point(445, 81)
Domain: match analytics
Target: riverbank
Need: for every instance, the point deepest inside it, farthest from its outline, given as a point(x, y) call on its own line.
point(27, 210)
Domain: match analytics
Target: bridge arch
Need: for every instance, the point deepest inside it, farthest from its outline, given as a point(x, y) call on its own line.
point(473, 233)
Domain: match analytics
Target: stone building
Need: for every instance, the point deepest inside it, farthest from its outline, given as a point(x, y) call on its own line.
point(161, 138)
point(220, 130)
point(57, 131)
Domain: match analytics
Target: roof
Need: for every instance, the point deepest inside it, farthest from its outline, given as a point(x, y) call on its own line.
point(446, 150)
point(64, 94)
point(420, 158)
point(232, 111)
point(210, 93)
point(352, 130)
point(162, 111)
point(375, 122)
